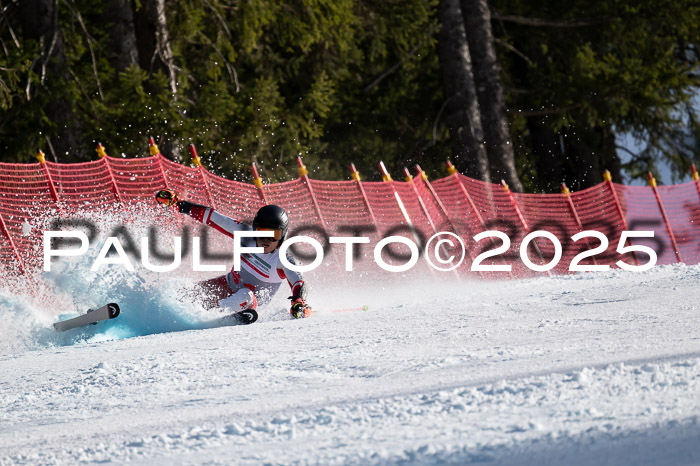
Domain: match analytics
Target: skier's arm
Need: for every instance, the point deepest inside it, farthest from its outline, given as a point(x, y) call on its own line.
point(202, 214)
point(299, 289)
point(294, 278)
point(211, 217)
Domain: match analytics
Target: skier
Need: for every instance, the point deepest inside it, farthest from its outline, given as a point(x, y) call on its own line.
point(261, 274)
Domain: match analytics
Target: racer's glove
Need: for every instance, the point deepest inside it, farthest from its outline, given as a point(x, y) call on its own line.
point(300, 309)
point(166, 197)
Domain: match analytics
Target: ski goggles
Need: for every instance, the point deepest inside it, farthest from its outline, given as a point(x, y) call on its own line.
point(277, 235)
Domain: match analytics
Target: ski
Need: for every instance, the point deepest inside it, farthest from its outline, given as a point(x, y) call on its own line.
point(245, 317)
point(239, 318)
point(108, 311)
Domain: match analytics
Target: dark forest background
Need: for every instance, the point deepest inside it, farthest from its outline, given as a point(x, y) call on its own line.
point(536, 93)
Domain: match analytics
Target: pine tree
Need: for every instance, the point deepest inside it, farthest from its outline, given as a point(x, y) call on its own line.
point(339, 81)
point(581, 73)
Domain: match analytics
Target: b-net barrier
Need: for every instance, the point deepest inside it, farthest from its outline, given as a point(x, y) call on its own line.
point(416, 209)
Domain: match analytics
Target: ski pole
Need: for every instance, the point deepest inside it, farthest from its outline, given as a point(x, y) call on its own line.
point(364, 307)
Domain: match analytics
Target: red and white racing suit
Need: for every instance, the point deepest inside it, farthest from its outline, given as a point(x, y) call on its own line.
point(260, 275)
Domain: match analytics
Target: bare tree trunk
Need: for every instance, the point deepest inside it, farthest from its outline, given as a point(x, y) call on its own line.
point(39, 20)
point(153, 40)
point(462, 114)
point(122, 35)
point(155, 52)
point(477, 20)
point(163, 40)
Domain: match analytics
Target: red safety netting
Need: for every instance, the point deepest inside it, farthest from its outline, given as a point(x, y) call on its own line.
point(681, 204)
point(597, 211)
point(295, 197)
point(187, 182)
point(342, 205)
point(233, 198)
point(25, 193)
point(136, 179)
point(32, 196)
point(83, 186)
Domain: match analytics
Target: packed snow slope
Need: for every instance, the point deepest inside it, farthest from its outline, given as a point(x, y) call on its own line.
point(596, 368)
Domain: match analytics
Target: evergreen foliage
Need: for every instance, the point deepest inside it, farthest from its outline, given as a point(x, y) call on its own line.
point(340, 81)
point(587, 71)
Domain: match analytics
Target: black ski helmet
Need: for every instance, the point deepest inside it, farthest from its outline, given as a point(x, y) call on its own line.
point(273, 217)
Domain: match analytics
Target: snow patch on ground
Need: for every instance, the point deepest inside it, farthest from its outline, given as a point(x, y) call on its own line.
point(596, 368)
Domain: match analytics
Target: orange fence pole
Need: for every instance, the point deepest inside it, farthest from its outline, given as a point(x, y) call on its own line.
point(386, 177)
point(652, 183)
point(453, 173)
point(102, 154)
point(608, 181)
point(42, 160)
point(15, 252)
point(356, 176)
point(424, 177)
point(409, 179)
point(198, 163)
point(607, 177)
point(155, 152)
point(439, 203)
point(304, 175)
point(516, 207)
point(258, 183)
point(514, 204)
point(695, 178)
point(567, 193)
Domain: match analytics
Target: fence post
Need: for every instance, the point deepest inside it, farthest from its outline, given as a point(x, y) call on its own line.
point(15, 252)
point(386, 177)
point(439, 203)
point(516, 207)
point(424, 177)
point(356, 176)
point(514, 204)
point(695, 178)
point(652, 183)
point(453, 173)
point(198, 163)
point(155, 152)
point(409, 179)
point(42, 160)
point(102, 154)
point(258, 183)
point(567, 193)
point(304, 175)
point(607, 177)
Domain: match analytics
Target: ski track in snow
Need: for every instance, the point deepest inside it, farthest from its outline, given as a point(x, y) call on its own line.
point(596, 368)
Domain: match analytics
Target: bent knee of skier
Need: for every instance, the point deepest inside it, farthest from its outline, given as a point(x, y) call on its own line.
point(241, 300)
